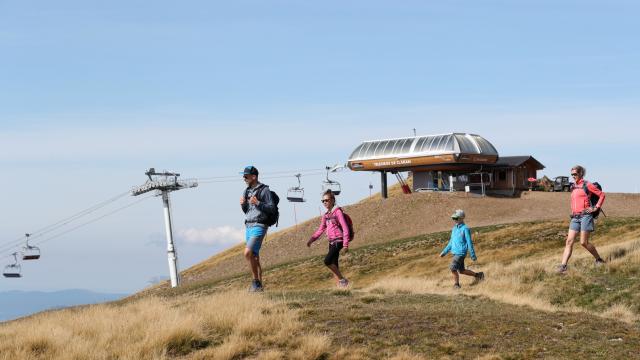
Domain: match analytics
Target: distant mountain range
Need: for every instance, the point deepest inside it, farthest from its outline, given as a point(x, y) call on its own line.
point(15, 304)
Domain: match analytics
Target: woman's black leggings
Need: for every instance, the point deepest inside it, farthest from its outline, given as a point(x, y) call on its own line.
point(333, 254)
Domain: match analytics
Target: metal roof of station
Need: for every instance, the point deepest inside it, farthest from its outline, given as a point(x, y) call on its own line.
point(429, 145)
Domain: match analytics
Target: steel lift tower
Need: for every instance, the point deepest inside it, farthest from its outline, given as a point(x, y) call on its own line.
point(164, 183)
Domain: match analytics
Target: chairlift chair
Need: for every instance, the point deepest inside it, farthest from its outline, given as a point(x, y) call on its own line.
point(329, 184)
point(13, 270)
point(295, 194)
point(30, 252)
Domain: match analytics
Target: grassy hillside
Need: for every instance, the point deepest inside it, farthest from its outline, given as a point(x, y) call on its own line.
point(401, 304)
point(519, 260)
point(378, 221)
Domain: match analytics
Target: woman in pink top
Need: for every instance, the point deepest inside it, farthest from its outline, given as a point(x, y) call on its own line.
point(581, 216)
point(333, 222)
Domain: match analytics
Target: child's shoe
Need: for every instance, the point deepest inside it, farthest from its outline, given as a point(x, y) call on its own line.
point(478, 277)
point(456, 286)
point(562, 269)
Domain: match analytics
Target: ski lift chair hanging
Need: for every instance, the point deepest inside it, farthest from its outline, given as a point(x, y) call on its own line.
point(329, 184)
point(296, 193)
point(13, 270)
point(30, 252)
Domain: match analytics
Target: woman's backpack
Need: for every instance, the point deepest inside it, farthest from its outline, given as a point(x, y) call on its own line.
point(593, 198)
point(347, 218)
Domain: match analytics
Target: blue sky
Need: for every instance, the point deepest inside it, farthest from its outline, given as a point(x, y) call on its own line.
point(93, 93)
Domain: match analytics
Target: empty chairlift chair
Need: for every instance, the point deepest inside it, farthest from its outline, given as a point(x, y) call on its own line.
point(296, 194)
point(13, 270)
point(30, 252)
point(329, 184)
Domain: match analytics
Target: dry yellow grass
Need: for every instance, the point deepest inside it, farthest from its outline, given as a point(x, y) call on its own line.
point(222, 326)
point(621, 312)
point(406, 355)
point(519, 261)
point(511, 282)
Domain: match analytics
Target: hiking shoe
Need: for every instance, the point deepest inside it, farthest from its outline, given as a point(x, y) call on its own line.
point(256, 286)
point(343, 283)
point(456, 286)
point(600, 261)
point(562, 269)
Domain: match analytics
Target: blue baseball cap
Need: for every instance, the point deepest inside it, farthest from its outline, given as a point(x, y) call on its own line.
point(250, 170)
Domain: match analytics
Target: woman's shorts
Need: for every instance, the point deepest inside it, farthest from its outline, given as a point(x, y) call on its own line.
point(582, 223)
point(253, 237)
point(333, 254)
point(457, 263)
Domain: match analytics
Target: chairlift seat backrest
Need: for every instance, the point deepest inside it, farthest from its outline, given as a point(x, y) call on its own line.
point(295, 195)
point(334, 186)
point(12, 271)
point(329, 184)
point(31, 253)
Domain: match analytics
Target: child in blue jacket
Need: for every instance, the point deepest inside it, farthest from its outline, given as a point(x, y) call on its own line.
point(459, 244)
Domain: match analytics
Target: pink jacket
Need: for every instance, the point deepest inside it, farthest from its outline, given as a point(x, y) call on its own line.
point(333, 222)
point(579, 199)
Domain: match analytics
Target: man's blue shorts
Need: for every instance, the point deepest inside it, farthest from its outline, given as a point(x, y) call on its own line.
point(253, 238)
point(582, 223)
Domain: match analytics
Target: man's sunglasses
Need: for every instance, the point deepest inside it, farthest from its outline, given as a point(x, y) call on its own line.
point(574, 174)
point(325, 200)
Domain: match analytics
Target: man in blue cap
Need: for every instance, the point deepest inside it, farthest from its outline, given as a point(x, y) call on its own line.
point(257, 204)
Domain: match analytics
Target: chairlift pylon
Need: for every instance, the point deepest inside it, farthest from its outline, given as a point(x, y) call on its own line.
point(329, 184)
point(296, 193)
point(30, 252)
point(13, 270)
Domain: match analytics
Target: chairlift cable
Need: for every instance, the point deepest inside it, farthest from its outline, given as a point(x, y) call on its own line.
point(263, 174)
point(96, 219)
point(235, 179)
point(44, 230)
point(89, 210)
point(88, 222)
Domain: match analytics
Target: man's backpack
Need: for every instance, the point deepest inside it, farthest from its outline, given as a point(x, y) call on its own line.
point(272, 218)
point(593, 198)
point(347, 218)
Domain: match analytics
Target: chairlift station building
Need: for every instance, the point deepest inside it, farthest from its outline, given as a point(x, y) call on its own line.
point(446, 162)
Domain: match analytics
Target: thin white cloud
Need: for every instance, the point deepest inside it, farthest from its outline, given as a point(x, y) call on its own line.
point(214, 236)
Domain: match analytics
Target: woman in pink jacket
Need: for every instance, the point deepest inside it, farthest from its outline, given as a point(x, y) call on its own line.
point(335, 224)
point(582, 211)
